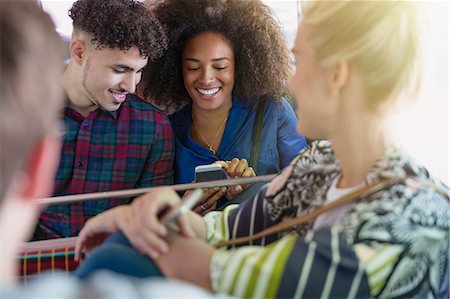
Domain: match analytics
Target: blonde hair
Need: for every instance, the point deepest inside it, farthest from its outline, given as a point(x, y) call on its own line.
point(381, 39)
point(31, 65)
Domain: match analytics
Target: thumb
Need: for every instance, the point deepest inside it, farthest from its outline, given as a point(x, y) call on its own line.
point(185, 229)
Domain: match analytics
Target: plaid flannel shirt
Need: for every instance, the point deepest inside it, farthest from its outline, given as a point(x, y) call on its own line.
point(132, 147)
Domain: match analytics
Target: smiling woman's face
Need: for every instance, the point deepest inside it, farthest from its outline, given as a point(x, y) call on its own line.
point(208, 71)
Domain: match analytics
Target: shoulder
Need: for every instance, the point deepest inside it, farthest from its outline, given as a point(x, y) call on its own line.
point(418, 201)
point(411, 209)
point(145, 110)
point(406, 227)
point(180, 116)
point(137, 102)
point(282, 105)
point(317, 153)
point(276, 109)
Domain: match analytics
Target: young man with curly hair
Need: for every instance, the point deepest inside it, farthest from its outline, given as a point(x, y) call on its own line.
point(226, 60)
point(114, 140)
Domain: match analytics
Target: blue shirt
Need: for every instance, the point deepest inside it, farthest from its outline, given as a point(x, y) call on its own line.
point(280, 142)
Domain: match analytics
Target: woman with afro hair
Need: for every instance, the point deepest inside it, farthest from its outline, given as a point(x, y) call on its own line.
point(223, 59)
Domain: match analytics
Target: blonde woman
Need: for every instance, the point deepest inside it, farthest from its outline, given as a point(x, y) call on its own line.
point(354, 62)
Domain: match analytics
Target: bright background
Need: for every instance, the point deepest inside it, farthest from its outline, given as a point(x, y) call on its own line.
point(423, 129)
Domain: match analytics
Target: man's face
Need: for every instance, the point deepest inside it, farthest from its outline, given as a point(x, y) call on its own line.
point(109, 75)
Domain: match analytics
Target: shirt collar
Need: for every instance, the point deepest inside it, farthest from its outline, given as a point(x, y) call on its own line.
point(77, 116)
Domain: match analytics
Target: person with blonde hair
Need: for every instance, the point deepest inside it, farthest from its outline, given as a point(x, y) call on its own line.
point(354, 215)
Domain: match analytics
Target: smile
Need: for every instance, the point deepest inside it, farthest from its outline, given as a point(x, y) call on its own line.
point(208, 92)
point(118, 97)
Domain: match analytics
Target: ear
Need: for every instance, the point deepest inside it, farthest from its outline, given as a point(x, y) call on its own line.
point(339, 77)
point(41, 167)
point(78, 50)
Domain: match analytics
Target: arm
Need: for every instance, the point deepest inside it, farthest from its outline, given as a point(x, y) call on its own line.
point(140, 222)
point(319, 265)
point(289, 141)
point(158, 169)
point(193, 255)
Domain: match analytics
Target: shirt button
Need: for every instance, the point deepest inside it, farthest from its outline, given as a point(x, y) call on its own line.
point(86, 126)
point(80, 164)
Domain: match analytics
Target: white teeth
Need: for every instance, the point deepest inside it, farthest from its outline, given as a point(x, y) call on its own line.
point(119, 95)
point(208, 92)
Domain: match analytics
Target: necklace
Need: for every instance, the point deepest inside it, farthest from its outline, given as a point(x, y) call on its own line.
point(210, 145)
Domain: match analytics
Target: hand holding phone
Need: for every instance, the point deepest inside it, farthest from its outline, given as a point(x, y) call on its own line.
point(170, 219)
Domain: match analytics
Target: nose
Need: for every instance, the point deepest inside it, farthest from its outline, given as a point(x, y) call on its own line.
point(129, 83)
point(206, 76)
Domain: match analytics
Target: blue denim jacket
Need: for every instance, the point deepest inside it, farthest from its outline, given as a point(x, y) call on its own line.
point(280, 142)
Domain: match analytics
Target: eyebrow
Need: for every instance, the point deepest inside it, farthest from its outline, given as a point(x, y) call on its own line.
point(124, 66)
point(215, 59)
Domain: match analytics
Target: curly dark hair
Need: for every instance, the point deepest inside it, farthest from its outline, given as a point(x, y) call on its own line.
point(120, 24)
point(262, 58)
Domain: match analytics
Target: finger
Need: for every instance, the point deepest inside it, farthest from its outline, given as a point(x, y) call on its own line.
point(241, 167)
point(237, 189)
point(185, 229)
point(231, 169)
point(213, 199)
point(199, 209)
point(224, 164)
point(78, 248)
point(212, 208)
point(234, 191)
point(248, 172)
point(186, 193)
point(209, 193)
point(81, 240)
point(211, 204)
point(146, 242)
point(149, 217)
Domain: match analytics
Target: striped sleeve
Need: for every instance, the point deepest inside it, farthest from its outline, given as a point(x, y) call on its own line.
point(291, 267)
point(217, 224)
point(379, 262)
point(245, 219)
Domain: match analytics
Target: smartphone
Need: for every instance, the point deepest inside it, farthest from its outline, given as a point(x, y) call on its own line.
point(183, 208)
point(210, 172)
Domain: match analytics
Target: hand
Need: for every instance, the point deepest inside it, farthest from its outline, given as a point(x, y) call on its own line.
point(144, 229)
point(236, 169)
point(193, 255)
point(139, 221)
point(208, 202)
point(98, 228)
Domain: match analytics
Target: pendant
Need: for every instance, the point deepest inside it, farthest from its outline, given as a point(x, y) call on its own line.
point(212, 150)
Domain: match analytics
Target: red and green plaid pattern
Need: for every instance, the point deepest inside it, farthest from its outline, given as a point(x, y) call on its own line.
point(132, 147)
